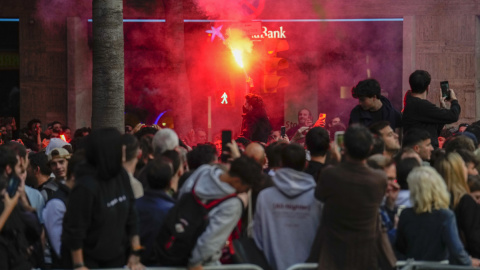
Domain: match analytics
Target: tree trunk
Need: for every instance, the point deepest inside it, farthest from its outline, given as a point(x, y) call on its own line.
point(175, 44)
point(108, 94)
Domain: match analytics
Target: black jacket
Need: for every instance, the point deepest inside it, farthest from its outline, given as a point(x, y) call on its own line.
point(100, 218)
point(256, 126)
point(14, 241)
point(430, 237)
point(390, 114)
point(467, 214)
point(421, 113)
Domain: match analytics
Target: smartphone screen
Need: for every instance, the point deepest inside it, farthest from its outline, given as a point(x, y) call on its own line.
point(339, 139)
point(444, 86)
point(12, 186)
point(282, 131)
point(226, 138)
point(322, 118)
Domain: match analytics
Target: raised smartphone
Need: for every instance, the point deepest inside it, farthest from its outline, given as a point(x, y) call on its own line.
point(445, 89)
point(226, 138)
point(339, 139)
point(12, 186)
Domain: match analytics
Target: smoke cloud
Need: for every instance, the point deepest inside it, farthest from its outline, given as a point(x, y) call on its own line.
point(214, 9)
point(326, 59)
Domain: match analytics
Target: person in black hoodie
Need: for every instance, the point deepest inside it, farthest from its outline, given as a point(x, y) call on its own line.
point(421, 113)
point(255, 124)
point(372, 106)
point(100, 225)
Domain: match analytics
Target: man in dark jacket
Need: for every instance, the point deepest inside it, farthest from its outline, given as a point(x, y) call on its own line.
point(372, 106)
point(318, 143)
point(352, 193)
point(154, 205)
point(255, 123)
point(421, 113)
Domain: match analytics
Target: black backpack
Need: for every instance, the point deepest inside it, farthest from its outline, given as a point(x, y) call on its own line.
point(184, 223)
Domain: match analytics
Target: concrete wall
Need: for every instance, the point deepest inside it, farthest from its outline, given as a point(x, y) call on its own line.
point(441, 37)
point(43, 64)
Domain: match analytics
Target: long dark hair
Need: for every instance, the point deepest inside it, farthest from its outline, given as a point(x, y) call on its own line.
point(104, 152)
point(257, 104)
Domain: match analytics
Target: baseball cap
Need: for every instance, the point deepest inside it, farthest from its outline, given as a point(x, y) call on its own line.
point(58, 153)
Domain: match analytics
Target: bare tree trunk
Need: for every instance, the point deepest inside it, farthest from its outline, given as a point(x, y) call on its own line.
point(175, 41)
point(108, 94)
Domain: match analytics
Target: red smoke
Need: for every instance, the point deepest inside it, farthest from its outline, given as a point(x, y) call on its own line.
point(323, 57)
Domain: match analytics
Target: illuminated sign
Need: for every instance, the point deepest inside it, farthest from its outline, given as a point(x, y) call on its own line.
point(224, 98)
point(215, 31)
point(9, 60)
point(250, 29)
point(280, 33)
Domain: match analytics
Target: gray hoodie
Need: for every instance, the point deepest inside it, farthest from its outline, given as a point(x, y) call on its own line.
point(286, 218)
point(223, 218)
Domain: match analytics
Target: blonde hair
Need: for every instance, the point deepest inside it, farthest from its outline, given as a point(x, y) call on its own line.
point(427, 190)
point(451, 168)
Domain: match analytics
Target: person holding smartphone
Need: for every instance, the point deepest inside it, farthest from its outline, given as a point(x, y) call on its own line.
point(8, 204)
point(14, 247)
point(421, 113)
point(305, 119)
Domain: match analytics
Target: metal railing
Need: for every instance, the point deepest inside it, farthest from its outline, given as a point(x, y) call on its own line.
point(216, 267)
point(422, 265)
point(302, 266)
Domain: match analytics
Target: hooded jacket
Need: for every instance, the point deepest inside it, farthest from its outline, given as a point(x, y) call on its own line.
point(100, 217)
point(390, 114)
point(222, 218)
point(286, 218)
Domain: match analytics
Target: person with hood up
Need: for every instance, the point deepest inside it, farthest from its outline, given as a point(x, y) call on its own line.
point(212, 182)
point(372, 106)
point(287, 215)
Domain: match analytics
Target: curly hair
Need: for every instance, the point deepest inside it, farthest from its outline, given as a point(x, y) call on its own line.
point(367, 88)
point(255, 100)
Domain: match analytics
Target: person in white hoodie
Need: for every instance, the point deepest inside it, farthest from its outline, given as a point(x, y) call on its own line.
point(213, 182)
point(287, 215)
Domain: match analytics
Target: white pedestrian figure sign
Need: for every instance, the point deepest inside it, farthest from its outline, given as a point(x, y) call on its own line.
point(224, 98)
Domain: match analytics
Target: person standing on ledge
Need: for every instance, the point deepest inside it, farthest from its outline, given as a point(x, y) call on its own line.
point(255, 124)
point(421, 113)
point(372, 106)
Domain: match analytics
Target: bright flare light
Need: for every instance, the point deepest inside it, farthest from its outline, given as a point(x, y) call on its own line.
point(238, 57)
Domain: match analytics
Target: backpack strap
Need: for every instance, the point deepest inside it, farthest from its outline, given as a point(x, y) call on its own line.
point(216, 202)
point(212, 203)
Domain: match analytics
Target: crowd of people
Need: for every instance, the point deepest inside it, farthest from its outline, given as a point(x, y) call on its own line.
point(102, 199)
